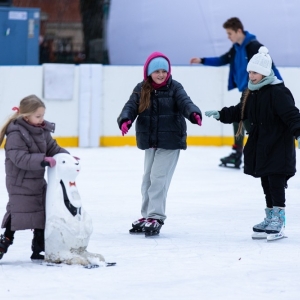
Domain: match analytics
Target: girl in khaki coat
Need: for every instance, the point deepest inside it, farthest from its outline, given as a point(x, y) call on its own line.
point(29, 149)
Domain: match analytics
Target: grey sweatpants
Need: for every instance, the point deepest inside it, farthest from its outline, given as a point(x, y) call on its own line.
point(159, 166)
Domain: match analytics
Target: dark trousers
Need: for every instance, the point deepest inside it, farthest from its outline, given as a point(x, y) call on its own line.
point(274, 189)
point(8, 232)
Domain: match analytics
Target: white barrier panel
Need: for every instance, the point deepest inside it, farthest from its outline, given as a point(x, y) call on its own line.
point(90, 94)
point(58, 81)
point(84, 105)
point(100, 92)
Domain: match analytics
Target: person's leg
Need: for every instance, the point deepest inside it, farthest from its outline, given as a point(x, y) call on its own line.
point(6, 239)
point(38, 244)
point(148, 162)
point(260, 229)
point(266, 188)
point(278, 184)
point(8, 233)
point(235, 158)
point(138, 225)
point(163, 167)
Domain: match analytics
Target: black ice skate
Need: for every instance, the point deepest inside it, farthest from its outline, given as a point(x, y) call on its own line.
point(138, 226)
point(234, 160)
point(152, 227)
point(38, 245)
point(4, 244)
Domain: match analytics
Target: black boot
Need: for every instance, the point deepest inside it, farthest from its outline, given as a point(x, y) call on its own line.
point(234, 159)
point(4, 244)
point(38, 244)
point(138, 226)
point(153, 226)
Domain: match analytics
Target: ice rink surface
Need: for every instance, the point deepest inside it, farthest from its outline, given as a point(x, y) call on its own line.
point(204, 250)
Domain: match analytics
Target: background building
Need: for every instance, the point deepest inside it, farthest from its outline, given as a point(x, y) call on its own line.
point(61, 36)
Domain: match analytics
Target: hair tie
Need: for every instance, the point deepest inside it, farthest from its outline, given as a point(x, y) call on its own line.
point(16, 109)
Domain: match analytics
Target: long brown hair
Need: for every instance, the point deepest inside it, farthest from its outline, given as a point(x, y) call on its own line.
point(241, 125)
point(145, 95)
point(27, 107)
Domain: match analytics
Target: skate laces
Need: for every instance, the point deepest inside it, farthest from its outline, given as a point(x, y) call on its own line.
point(139, 223)
point(153, 223)
point(276, 221)
point(141, 220)
point(265, 222)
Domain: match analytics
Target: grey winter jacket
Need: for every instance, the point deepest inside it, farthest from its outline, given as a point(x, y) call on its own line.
point(25, 148)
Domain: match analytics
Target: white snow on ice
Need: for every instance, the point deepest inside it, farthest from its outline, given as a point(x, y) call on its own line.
point(204, 251)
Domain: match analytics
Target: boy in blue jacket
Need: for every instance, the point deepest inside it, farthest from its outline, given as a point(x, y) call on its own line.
point(244, 47)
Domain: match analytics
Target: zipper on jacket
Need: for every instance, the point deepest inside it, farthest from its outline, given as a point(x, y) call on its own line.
point(157, 115)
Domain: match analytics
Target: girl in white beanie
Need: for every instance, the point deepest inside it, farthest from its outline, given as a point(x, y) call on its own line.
point(270, 149)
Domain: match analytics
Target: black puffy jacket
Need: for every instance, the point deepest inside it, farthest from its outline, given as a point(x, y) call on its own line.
point(274, 124)
point(162, 125)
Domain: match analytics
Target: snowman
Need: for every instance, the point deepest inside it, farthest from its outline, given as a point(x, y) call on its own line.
point(68, 226)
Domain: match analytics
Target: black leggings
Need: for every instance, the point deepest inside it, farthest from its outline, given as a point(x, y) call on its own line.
point(8, 232)
point(274, 189)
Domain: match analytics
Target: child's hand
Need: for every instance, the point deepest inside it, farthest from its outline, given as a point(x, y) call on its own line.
point(195, 60)
point(124, 127)
point(198, 119)
point(49, 161)
point(213, 113)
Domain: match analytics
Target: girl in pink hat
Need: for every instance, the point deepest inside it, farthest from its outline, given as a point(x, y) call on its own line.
point(159, 104)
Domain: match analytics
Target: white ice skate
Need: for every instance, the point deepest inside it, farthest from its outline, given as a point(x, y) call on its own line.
point(260, 229)
point(276, 227)
point(276, 236)
point(259, 235)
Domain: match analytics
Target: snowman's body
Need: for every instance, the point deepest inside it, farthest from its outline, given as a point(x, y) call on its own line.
point(68, 226)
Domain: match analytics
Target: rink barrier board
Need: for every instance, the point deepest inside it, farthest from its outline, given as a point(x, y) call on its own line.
point(116, 141)
point(93, 101)
point(119, 141)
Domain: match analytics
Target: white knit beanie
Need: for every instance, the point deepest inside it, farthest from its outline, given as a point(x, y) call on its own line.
point(261, 62)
